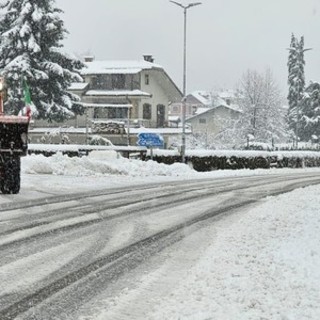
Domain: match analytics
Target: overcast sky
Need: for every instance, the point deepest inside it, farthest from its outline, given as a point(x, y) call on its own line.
point(224, 37)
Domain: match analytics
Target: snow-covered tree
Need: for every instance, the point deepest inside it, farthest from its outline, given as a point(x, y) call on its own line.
point(296, 82)
point(31, 32)
point(274, 113)
point(230, 134)
point(251, 101)
point(310, 120)
point(263, 115)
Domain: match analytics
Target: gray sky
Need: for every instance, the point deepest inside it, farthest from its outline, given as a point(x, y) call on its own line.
point(225, 37)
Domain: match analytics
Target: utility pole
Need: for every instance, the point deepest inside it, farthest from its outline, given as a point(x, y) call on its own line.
point(185, 8)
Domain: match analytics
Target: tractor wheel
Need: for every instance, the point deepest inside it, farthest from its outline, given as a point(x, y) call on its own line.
point(10, 183)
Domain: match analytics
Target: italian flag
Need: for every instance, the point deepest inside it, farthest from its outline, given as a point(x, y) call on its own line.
point(27, 100)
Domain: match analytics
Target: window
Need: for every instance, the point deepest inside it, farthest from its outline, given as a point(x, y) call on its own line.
point(117, 113)
point(118, 81)
point(146, 79)
point(146, 111)
point(161, 110)
point(202, 121)
point(99, 82)
point(194, 110)
point(175, 109)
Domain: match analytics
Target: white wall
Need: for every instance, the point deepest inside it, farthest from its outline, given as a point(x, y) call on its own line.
point(214, 120)
point(158, 95)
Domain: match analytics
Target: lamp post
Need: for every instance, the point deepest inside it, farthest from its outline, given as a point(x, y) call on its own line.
point(185, 8)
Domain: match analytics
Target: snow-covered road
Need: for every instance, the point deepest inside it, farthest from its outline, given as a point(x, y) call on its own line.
point(133, 252)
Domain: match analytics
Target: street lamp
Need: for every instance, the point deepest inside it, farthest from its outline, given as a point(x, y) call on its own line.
point(185, 8)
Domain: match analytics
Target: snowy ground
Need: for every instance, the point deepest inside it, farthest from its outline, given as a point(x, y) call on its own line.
point(263, 264)
point(59, 174)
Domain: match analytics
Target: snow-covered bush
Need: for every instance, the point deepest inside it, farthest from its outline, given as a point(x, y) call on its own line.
point(208, 160)
point(98, 140)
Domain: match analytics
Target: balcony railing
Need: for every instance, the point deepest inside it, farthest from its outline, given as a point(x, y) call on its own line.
point(133, 123)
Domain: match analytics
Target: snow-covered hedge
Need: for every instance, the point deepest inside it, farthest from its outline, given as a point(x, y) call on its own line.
point(208, 160)
point(203, 160)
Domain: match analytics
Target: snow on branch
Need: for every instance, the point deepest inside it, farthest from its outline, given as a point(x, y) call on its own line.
point(54, 68)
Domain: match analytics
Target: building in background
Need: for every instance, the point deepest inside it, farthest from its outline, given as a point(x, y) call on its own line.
point(203, 99)
point(213, 120)
point(119, 95)
point(218, 115)
point(112, 88)
point(194, 100)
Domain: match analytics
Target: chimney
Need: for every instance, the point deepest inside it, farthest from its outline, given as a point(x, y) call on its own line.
point(148, 57)
point(88, 58)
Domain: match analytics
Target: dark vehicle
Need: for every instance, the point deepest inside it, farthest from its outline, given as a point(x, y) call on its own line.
point(13, 145)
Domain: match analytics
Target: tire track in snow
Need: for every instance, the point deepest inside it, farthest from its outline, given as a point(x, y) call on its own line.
point(113, 264)
point(84, 216)
point(134, 254)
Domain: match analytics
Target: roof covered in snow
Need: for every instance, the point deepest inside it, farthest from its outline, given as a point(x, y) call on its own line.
point(202, 111)
point(213, 99)
point(105, 105)
point(118, 67)
point(105, 67)
point(203, 97)
point(225, 94)
point(135, 93)
point(78, 86)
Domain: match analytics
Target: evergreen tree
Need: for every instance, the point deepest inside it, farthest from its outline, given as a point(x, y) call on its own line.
point(310, 120)
point(292, 95)
point(31, 32)
point(296, 82)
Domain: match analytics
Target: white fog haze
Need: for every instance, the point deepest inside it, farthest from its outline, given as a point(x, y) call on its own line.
point(224, 37)
point(145, 175)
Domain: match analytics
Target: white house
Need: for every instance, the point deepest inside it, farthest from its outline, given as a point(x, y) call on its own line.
point(212, 120)
point(123, 91)
point(203, 99)
point(194, 100)
point(111, 88)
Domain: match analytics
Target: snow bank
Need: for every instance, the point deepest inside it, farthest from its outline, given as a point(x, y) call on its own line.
point(264, 264)
point(108, 163)
point(101, 163)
